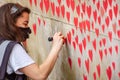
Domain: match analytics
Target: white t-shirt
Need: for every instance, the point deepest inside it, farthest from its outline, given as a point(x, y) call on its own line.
point(18, 59)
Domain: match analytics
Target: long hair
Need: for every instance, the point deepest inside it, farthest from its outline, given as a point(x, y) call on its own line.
point(9, 13)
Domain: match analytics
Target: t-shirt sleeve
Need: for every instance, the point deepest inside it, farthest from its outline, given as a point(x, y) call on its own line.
point(19, 58)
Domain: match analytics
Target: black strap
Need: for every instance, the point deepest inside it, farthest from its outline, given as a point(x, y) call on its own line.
point(3, 67)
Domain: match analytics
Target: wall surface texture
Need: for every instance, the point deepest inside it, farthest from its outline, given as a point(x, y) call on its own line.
point(92, 31)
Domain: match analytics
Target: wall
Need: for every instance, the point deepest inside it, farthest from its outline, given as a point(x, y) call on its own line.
point(92, 31)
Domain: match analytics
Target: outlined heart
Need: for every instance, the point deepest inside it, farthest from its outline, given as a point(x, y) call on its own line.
point(47, 5)
point(115, 8)
point(109, 73)
point(63, 10)
point(90, 53)
point(34, 28)
point(87, 65)
point(68, 16)
point(89, 10)
point(98, 70)
point(53, 8)
point(70, 62)
point(58, 11)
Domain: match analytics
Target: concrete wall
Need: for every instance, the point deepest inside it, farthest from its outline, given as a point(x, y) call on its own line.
point(92, 29)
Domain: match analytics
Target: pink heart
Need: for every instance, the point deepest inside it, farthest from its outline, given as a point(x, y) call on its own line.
point(30, 2)
point(98, 5)
point(110, 2)
point(39, 21)
point(103, 28)
point(102, 11)
point(73, 31)
point(104, 41)
point(118, 33)
point(114, 28)
point(109, 72)
point(105, 51)
point(83, 6)
point(76, 39)
point(99, 20)
point(84, 77)
point(74, 45)
point(88, 24)
point(88, 37)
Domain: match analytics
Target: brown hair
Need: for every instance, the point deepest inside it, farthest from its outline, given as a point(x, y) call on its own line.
point(8, 15)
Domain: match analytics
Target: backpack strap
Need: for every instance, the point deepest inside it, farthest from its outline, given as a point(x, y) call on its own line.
point(6, 56)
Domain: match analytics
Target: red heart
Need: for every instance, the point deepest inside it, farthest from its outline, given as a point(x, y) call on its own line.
point(76, 21)
point(89, 9)
point(79, 62)
point(98, 70)
point(119, 22)
point(110, 50)
point(87, 65)
point(110, 2)
point(94, 1)
point(69, 37)
point(97, 32)
point(41, 5)
point(95, 15)
point(113, 65)
point(34, 29)
point(76, 39)
point(92, 25)
point(107, 21)
point(94, 75)
point(39, 21)
point(68, 3)
point(116, 49)
point(35, 2)
point(100, 43)
point(110, 14)
point(104, 41)
point(90, 53)
point(78, 10)
point(99, 20)
point(102, 11)
point(110, 36)
point(94, 44)
point(83, 7)
point(68, 16)
point(114, 27)
point(59, 1)
point(63, 10)
point(73, 31)
point(70, 62)
point(101, 54)
point(84, 43)
point(80, 48)
point(109, 72)
point(74, 45)
point(98, 5)
point(81, 26)
point(119, 74)
point(30, 2)
point(103, 28)
point(105, 51)
point(118, 33)
point(58, 11)
point(88, 37)
point(115, 8)
point(46, 3)
point(72, 5)
point(105, 4)
point(84, 77)
point(44, 22)
point(53, 8)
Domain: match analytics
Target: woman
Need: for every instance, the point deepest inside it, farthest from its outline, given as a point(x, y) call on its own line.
point(14, 20)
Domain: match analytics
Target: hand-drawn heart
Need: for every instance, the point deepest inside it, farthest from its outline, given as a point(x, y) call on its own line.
point(110, 35)
point(58, 11)
point(98, 70)
point(118, 33)
point(107, 21)
point(87, 65)
point(74, 45)
point(80, 47)
point(97, 32)
point(116, 49)
point(79, 62)
point(59, 1)
point(113, 65)
point(78, 10)
point(35, 2)
point(68, 3)
point(69, 37)
point(109, 73)
point(95, 15)
point(110, 50)
point(72, 5)
point(63, 10)
point(41, 5)
point(34, 28)
point(105, 4)
point(101, 54)
point(89, 10)
point(94, 75)
point(115, 8)
point(84, 43)
point(47, 5)
point(90, 53)
point(110, 14)
point(70, 62)
point(53, 8)
point(76, 22)
point(68, 16)
point(94, 44)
